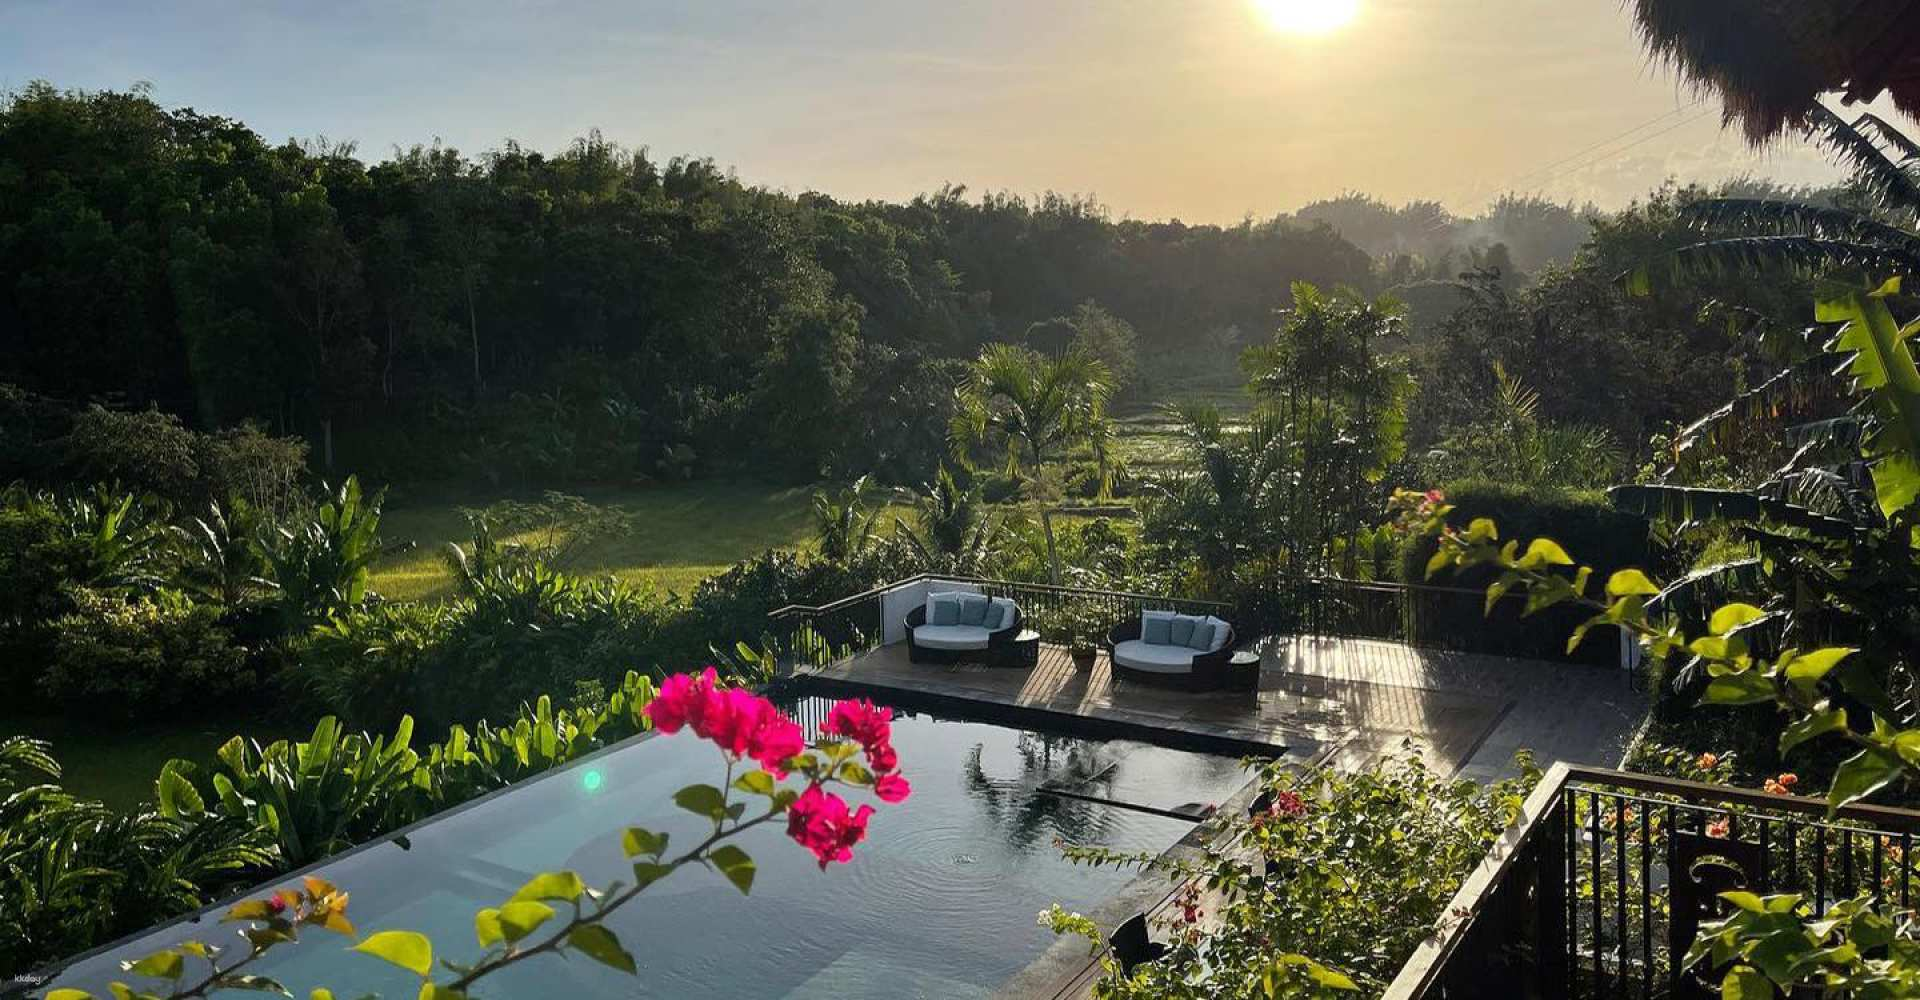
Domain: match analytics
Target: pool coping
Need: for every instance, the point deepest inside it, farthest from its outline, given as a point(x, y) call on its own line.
point(1099, 727)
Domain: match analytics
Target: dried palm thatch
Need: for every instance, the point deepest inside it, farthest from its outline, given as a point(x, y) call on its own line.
point(1770, 59)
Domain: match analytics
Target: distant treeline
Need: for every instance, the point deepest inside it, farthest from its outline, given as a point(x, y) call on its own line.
point(591, 314)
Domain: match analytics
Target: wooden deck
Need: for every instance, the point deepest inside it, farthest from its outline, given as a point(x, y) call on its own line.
point(1341, 702)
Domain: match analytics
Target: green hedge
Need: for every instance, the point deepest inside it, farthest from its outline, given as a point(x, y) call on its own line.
point(1584, 523)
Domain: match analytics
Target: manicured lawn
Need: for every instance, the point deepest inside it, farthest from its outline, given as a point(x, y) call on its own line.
point(685, 533)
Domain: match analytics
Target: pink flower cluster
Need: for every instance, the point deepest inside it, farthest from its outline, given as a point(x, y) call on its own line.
point(871, 726)
point(740, 722)
point(820, 822)
point(746, 725)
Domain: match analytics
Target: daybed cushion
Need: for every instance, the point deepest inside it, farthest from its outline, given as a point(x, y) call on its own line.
point(951, 636)
point(1220, 631)
point(945, 610)
point(1201, 641)
point(1156, 627)
point(999, 614)
point(1156, 657)
point(973, 610)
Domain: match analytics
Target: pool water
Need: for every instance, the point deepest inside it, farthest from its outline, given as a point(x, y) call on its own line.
point(938, 902)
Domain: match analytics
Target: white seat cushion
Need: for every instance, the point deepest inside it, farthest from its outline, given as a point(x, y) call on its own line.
point(1154, 657)
point(951, 636)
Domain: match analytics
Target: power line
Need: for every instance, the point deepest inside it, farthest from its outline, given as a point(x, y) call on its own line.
point(1567, 163)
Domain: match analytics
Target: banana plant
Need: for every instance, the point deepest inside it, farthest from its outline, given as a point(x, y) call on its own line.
point(322, 568)
point(312, 798)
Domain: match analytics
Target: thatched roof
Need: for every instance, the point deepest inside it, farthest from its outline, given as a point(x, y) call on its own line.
point(1770, 59)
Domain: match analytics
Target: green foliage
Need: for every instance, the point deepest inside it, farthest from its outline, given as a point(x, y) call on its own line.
point(1361, 865)
point(142, 657)
point(321, 566)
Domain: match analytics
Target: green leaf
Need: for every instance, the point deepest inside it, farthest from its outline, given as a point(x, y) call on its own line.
point(600, 944)
point(1814, 724)
point(735, 865)
point(646, 873)
point(1732, 616)
point(1630, 581)
point(639, 840)
point(1545, 552)
point(1743, 982)
point(1739, 689)
point(1745, 900)
point(434, 991)
point(755, 783)
point(177, 797)
point(167, 964)
point(406, 949)
point(563, 886)
point(519, 919)
point(68, 994)
point(1806, 669)
point(702, 800)
point(1441, 559)
point(486, 927)
point(1482, 529)
point(1861, 775)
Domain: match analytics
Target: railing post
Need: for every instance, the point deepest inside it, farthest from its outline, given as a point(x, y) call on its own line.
point(1551, 880)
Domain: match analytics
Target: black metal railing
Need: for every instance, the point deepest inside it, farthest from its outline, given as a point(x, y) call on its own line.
point(1599, 887)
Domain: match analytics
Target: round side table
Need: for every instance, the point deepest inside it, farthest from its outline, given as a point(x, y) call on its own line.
point(1023, 651)
point(1243, 671)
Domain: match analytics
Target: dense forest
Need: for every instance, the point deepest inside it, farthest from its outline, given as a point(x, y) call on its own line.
point(601, 315)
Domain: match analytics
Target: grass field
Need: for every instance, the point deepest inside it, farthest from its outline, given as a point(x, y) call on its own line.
point(684, 534)
point(117, 763)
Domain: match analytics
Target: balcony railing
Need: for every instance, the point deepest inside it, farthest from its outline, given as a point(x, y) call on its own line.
point(1598, 888)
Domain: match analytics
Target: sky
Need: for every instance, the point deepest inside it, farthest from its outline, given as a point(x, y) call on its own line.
point(1202, 110)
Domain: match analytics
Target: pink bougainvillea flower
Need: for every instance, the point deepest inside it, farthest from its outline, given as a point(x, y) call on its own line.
point(683, 701)
point(746, 725)
point(892, 788)
point(883, 759)
point(1706, 761)
point(861, 721)
point(820, 822)
point(1719, 828)
point(740, 722)
point(1286, 803)
point(1436, 496)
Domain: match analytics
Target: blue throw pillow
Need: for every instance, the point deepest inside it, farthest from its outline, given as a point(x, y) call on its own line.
point(1157, 631)
point(1182, 630)
point(946, 611)
point(973, 609)
point(998, 616)
point(1202, 636)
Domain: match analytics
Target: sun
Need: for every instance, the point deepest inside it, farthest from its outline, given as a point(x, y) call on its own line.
point(1307, 17)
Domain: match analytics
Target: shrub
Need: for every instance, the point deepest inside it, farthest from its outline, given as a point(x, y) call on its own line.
point(1607, 538)
point(259, 470)
point(145, 451)
point(1338, 879)
point(142, 657)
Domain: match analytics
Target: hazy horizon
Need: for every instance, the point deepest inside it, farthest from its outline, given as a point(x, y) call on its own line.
point(1204, 111)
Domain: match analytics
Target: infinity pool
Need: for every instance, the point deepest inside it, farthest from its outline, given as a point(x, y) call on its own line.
point(938, 902)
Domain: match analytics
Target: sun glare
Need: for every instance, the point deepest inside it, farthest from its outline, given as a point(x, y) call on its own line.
point(1307, 17)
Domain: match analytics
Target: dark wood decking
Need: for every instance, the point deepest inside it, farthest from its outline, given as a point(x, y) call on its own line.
point(1338, 701)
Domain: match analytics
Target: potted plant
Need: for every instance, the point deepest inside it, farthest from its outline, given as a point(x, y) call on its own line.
point(1084, 636)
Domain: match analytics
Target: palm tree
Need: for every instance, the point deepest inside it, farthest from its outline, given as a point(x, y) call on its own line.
point(843, 524)
point(950, 531)
point(1037, 408)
